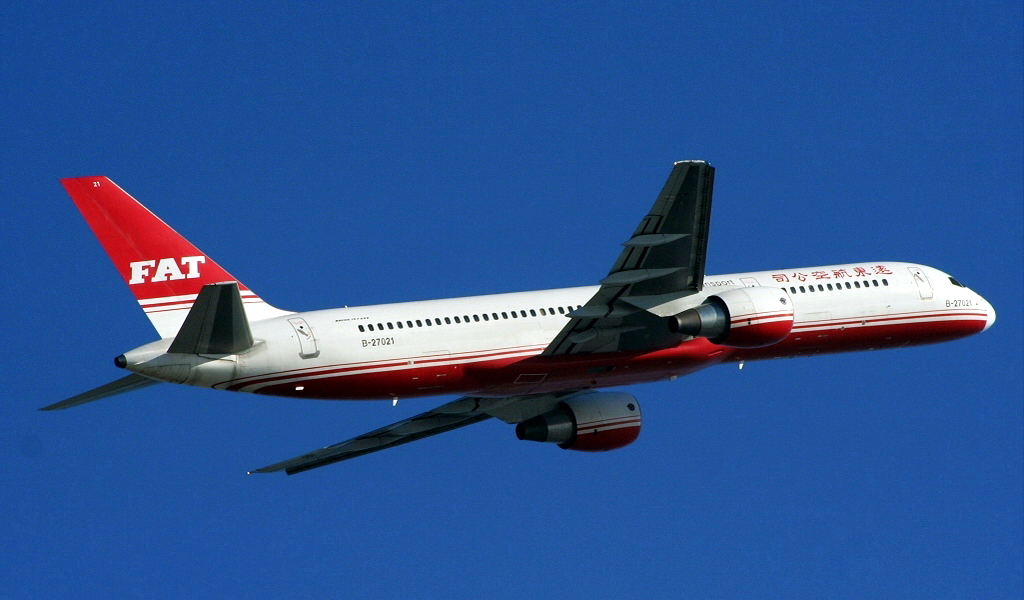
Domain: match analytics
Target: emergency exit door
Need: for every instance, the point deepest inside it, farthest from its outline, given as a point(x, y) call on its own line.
point(307, 341)
point(924, 287)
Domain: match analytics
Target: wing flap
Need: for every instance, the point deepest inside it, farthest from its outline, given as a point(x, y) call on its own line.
point(637, 275)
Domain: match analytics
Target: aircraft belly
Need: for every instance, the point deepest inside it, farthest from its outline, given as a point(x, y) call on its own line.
point(515, 370)
point(543, 374)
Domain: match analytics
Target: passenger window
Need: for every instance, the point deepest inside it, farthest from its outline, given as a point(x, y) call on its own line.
point(885, 282)
point(801, 289)
point(457, 320)
point(829, 287)
point(361, 328)
point(428, 323)
point(561, 310)
point(504, 315)
point(390, 325)
point(821, 288)
point(848, 285)
point(533, 313)
point(448, 320)
point(486, 318)
point(399, 324)
point(856, 284)
point(419, 323)
point(437, 321)
point(515, 315)
point(542, 313)
point(523, 313)
point(476, 318)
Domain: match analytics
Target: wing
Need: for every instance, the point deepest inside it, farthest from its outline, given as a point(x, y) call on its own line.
point(423, 425)
point(455, 414)
point(662, 264)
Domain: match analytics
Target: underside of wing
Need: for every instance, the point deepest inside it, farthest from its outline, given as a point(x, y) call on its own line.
point(662, 264)
point(416, 428)
point(458, 413)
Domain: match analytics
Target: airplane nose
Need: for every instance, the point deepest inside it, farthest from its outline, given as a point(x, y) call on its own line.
point(991, 316)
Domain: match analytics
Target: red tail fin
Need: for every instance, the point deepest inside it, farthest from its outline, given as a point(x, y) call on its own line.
point(164, 270)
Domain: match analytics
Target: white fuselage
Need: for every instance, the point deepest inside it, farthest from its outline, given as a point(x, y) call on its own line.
point(491, 345)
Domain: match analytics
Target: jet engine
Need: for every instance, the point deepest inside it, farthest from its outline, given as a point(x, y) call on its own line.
point(591, 422)
point(748, 317)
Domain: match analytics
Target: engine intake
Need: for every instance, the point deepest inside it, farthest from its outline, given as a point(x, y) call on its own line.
point(742, 318)
point(591, 422)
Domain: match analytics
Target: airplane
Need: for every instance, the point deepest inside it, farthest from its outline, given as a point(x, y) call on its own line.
point(539, 360)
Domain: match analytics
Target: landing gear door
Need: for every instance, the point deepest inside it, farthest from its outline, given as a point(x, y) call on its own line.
point(307, 341)
point(923, 285)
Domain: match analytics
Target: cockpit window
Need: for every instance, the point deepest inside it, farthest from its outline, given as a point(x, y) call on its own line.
point(955, 282)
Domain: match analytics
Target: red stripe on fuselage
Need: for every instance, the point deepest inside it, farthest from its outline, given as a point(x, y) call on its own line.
point(760, 318)
point(865, 321)
point(412, 363)
point(496, 372)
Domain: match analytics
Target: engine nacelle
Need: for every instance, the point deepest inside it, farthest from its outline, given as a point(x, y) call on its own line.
point(748, 317)
point(590, 422)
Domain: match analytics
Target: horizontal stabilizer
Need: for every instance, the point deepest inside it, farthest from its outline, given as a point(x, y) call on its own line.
point(125, 384)
point(216, 324)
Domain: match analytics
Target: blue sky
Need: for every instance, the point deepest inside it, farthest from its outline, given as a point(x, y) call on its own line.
point(342, 155)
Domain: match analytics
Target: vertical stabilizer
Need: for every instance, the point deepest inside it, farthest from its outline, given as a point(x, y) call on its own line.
point(162, 269)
